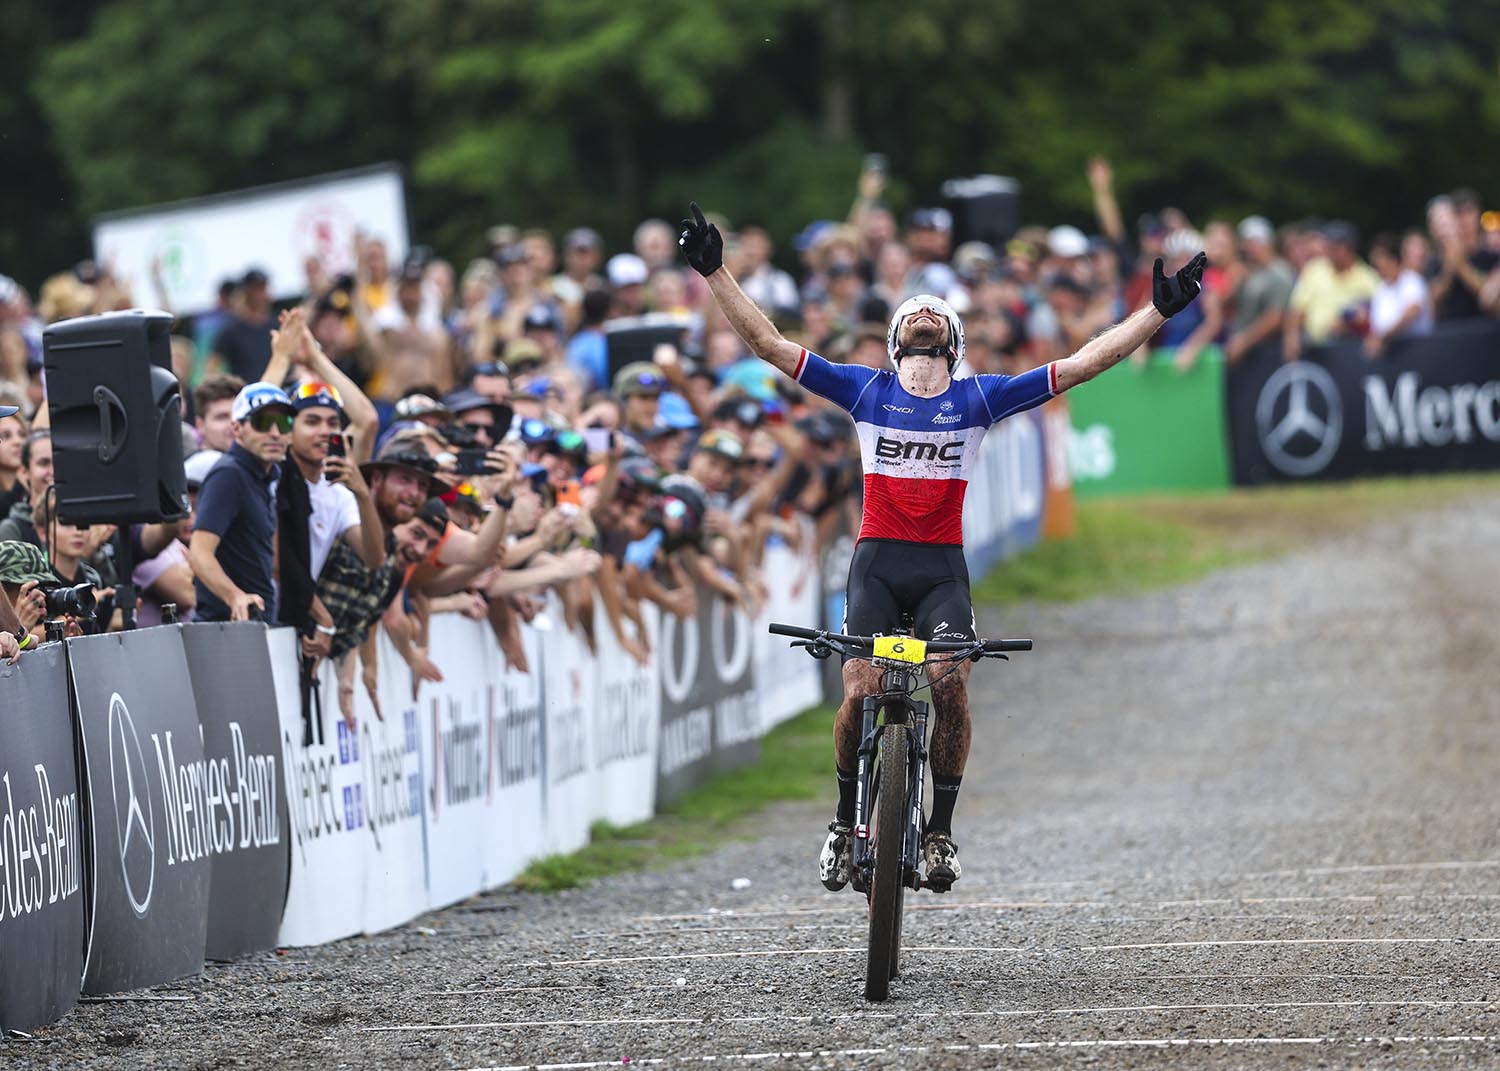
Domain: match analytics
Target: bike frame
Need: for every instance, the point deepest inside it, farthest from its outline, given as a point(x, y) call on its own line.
point(895, 700)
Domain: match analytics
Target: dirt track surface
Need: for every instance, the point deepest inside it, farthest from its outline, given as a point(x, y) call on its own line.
point(1247, 823)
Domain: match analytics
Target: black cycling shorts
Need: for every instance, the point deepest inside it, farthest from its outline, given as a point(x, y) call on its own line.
point(888, 578)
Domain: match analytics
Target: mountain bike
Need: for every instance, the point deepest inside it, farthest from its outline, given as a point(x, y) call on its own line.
point(892, 763)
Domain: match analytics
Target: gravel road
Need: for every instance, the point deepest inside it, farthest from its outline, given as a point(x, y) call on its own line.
point(1247, 823)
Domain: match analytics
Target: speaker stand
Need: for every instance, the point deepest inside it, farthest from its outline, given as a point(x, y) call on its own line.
point(125, 593)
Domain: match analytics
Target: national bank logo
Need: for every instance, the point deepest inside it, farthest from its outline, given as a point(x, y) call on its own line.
point(1299, 419)
point(135, 820)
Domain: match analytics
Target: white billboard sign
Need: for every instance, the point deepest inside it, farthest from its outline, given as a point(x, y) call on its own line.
point(202, 242)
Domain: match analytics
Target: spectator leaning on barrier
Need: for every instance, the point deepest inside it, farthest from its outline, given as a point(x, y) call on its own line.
point(1260, 300)
point(1400, 304)
point(167, 577)
point(1330, 294)
point(231, 550)
point(24, 576)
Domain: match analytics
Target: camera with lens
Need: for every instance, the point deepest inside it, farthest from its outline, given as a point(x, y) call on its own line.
point(76, 600)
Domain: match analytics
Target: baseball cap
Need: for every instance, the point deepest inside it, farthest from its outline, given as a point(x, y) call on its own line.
point(675, 412)
point(637, 378)
point(9, 410)
point(1150, 223)
point(523, 351)
point(807, 236)
point(258, 395)
point(932, 219)
point(434, 514)
point(541, 318)
point(196, 467)
point(536, 432)
point(255, 277)
point(416, 406)
point(724, 443)
point(626, 269)
point(1067, 241)
point(511, 254)
point(582, 238)
point(21, 561)
point(1341, 232)
point(1256, 229)
point(317, 393)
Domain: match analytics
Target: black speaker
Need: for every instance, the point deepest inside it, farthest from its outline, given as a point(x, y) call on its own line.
point(986, 208)
point(116, 415)
point(635, 338)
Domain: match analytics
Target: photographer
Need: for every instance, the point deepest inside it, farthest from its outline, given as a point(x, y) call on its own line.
point(67, 547)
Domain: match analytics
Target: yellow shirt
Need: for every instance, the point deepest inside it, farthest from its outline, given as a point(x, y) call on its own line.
point(1322, 294)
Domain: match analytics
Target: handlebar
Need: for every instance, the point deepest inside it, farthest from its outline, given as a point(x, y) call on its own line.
point(868, 642)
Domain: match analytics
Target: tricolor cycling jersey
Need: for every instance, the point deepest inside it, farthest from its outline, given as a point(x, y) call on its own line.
point(918, 452)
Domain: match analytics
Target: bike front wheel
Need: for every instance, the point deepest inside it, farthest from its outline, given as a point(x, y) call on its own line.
point(885, 883)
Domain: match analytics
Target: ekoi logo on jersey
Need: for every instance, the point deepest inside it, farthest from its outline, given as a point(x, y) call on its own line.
point(916, 450)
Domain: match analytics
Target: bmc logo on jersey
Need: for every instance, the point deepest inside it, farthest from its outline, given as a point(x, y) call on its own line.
point(919, 451)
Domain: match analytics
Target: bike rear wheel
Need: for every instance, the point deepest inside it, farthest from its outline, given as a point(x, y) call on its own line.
point(885, 884)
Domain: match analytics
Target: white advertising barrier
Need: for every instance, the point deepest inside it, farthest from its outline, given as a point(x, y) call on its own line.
point(324, 780)
point(197, 244)
point(627, 726)
point(787, 681)
point(1003, 503)
point(390, 749)
point(454, 714)
point(514, 834)
point(569, 676)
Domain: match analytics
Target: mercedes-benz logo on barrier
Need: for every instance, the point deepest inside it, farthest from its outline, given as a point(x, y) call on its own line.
point(1301, 435)
point(135, 821)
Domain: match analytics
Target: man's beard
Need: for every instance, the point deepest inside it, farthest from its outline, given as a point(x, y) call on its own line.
point(925, 335)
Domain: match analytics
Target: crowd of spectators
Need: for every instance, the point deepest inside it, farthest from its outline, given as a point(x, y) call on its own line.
point(409, 440)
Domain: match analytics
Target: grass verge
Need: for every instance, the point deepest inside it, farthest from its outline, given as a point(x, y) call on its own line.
point(1128, 546)
point(796, 763)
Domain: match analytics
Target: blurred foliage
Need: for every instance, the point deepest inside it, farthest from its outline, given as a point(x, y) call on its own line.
point(608, 111)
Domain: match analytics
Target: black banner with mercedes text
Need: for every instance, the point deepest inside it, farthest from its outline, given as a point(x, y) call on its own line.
point(240, 787)
point(41, 848)
point(1429, 404)
point(141, 744)
point(709, 718)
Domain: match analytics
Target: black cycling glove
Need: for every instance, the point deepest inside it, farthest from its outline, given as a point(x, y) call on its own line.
point(701, 243)
point(1172, 295)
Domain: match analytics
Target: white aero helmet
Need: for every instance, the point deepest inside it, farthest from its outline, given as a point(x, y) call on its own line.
point(954, 350)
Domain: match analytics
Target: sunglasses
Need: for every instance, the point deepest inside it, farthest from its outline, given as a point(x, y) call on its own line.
point(263, 420)
point(491, 368)
point(314, 388)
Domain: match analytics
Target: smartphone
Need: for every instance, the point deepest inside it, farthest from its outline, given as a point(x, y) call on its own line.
point(336, 445)
point(473, 462)
point(598, 440)
point(876, 161)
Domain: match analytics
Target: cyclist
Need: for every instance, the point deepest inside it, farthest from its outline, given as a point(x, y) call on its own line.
point(919, 433)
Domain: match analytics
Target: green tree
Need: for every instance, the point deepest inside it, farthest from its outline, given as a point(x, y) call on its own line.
point(165, 99)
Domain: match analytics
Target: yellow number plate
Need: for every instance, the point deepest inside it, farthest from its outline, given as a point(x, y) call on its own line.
point(901, 649)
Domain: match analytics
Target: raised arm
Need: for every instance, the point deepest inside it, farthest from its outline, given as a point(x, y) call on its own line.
point(704, 248)
point(1169, 296)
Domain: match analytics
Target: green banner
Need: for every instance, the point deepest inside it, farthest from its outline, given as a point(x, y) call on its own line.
point(1153, 428)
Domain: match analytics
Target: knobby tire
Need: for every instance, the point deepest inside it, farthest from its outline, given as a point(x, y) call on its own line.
point(885, 884)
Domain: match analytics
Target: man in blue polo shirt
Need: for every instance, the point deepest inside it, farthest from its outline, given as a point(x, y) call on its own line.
point(232, 548)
